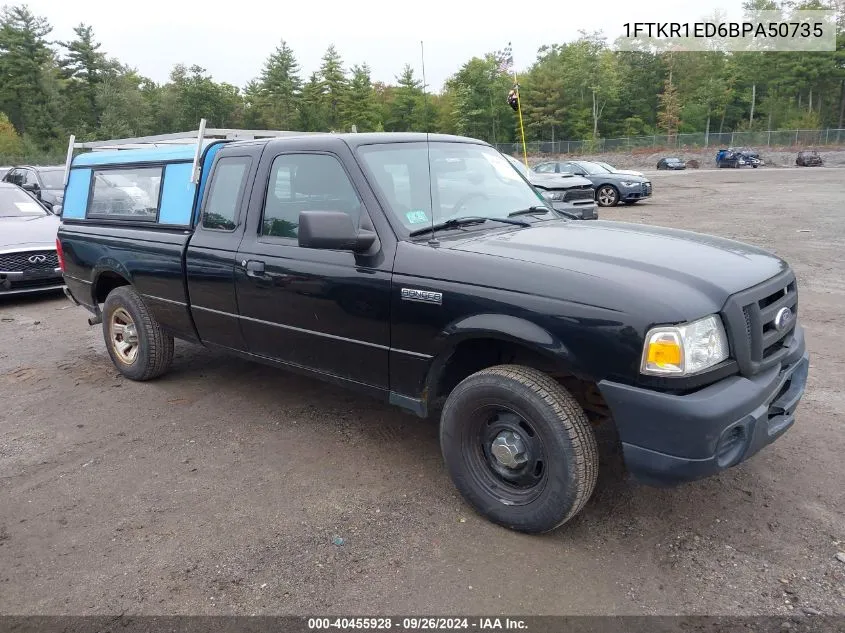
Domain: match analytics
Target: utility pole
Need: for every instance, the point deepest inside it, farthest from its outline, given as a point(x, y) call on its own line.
point(753, 100)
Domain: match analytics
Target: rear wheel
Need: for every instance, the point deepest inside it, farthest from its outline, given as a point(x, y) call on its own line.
point(138, 347)
point(519, 448)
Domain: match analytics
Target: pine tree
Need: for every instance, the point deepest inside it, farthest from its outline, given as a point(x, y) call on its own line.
point(312, 113)
point(279, 90)
point(25, 66)
point(333, 87)
point(85, 68)
point(406, 109)
point(669, 113)
point(360, 107)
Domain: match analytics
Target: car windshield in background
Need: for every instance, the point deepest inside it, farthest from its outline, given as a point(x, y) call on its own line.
point(52, 178)
point(590, 168)
point(463, 180)
point(14, 203)
point(605, 167)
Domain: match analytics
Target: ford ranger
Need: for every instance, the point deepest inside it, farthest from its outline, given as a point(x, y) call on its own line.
point(426, 271)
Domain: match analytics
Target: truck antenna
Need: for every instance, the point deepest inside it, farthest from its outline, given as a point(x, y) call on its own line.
point(433, 241)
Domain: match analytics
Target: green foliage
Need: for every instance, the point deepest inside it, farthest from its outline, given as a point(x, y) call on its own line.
point(10, 141)
point(581, 89)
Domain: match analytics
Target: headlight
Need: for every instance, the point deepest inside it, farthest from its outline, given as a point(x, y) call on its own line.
point(631, 184)
point(553, 195)
point(685, 349)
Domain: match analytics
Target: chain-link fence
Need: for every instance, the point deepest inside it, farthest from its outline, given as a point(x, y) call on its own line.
point(768, 138)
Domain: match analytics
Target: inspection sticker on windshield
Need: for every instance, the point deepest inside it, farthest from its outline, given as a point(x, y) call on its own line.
point(417, 217)
point(28, 207)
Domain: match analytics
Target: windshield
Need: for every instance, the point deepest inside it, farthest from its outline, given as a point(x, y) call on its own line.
point(606, 167)
point(590, 168)
point(465, 180)
point(14, 203)
point(52, 178)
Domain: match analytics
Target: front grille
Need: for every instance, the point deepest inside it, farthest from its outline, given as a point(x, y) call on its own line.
point(582, 193)
point(757, 340)
point(28, 261)
point(646, 188)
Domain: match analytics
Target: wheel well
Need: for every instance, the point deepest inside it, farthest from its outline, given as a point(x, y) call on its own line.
point(106, 282)
point(474, 355)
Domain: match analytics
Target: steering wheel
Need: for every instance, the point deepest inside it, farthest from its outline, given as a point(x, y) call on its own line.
point(466, 198)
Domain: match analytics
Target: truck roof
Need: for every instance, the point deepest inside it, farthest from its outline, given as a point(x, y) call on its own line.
point(186, 151)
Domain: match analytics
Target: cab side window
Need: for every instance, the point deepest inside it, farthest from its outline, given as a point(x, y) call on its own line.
point(306, 182)
point(227, 184)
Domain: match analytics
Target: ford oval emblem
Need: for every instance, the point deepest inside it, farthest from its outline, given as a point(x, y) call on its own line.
point(782, 319)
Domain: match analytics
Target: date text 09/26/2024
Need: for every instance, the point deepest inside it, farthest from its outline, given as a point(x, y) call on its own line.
point(417, 623)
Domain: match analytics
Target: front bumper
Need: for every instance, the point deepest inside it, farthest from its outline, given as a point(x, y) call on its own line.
point(635, 193)
point(17, 283)
point(668, 439)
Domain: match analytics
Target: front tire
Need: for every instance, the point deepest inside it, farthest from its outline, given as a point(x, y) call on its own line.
point(519, 448)
point(137, 345)
point(607, 196)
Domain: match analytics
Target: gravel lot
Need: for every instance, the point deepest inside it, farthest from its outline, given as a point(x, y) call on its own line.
point(225, 486)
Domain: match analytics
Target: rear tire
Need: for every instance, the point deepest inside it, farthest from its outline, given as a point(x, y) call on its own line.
point(550, 463)
point(137, 345)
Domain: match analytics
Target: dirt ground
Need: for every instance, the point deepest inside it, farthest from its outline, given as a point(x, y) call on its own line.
point(226, 487)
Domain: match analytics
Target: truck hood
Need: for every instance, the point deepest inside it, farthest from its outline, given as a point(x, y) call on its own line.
point(674, 267)
point(29, 231)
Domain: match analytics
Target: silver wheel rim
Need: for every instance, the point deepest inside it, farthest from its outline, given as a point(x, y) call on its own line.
point(607, 196)
point(124, 336)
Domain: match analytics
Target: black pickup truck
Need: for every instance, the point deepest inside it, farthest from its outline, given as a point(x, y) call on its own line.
point(426, 271)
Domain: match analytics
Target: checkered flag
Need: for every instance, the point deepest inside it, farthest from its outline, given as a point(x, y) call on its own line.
point(505, 58)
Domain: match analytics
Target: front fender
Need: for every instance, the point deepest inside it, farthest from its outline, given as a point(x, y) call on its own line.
point(499, 327)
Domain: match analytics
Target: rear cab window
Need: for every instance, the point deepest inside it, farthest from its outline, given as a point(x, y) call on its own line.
point(227, 185)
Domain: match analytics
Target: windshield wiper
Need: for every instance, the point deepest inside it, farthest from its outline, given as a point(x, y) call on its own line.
point(466, 221)
point(544, 210)
point(530, 211)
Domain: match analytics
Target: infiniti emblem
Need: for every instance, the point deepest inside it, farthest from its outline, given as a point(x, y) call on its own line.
point(782, 319)
point(37, 259)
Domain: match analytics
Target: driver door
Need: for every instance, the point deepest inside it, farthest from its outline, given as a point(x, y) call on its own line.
point(324, 310)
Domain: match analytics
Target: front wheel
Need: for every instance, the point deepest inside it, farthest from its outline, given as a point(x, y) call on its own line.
point(138, 347)
point(607, 196)
point(519, 448)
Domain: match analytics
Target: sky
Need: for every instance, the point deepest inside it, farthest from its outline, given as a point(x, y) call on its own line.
point(231, 40)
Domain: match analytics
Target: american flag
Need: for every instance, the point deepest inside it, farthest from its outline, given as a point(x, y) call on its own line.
point(506, 59)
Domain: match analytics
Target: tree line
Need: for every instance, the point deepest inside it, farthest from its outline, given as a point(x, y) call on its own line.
point(581, 89)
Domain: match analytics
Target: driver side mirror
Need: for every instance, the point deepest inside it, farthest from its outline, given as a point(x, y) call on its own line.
point(332, 230)
point(57, 209)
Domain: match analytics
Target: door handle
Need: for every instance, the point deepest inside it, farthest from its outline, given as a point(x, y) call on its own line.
point(254, 268)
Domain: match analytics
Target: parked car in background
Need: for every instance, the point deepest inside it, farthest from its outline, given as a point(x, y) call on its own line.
point(613, 169)
point(750, 156)
point(809, 158)
point(28, 260)
point(728, 158)
point(45, 183)
point(671, 163)
point(569, 194)
point(611, 188)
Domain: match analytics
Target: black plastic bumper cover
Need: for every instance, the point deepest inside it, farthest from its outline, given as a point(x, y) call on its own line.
point(668, 439)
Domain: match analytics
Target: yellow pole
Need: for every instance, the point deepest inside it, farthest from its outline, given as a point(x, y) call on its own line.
point(521, 127)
